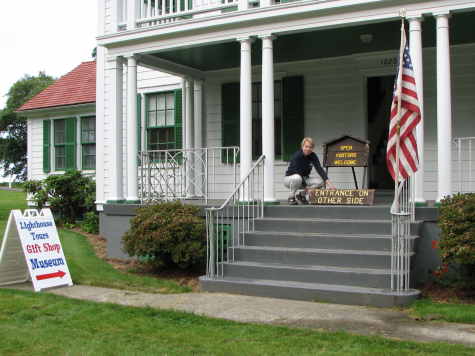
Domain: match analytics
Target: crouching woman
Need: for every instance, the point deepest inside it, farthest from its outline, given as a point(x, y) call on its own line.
point(298, 176)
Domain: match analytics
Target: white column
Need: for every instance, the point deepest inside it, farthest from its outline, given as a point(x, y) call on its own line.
point(268, 136)
point(116, 104)
point(415, 37)
point(198, 140)
point(189, 137)
point(100, 99)
point(198, 113)
point(243, 4)
point(131, 13)
point(132, 149)
point(444, 108)
point(245, 128)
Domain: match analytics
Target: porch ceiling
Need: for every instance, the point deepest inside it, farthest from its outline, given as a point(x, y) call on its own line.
point(320, 44)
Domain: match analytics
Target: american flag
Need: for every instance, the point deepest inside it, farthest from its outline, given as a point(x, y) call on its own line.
point(405, 121)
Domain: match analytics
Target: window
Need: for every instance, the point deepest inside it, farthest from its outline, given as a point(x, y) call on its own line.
point(257, 120)
point(288, 116)
point(163, 121)
point(60, 144)
point(88, 142)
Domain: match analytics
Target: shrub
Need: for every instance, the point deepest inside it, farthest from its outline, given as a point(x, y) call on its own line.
point(69, 195)
point(91, 222)
point(457, 239)
point(167, 235)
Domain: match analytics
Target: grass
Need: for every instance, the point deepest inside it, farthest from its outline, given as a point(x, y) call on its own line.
point(451, 312)
point(87, 268)
point(9, 200)
point(84, 265)
point(47, 324)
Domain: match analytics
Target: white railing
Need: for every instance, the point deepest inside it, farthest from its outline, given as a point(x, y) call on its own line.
point(226, 225)
point(204, 173)
point(154, 12)
point(465, 164)
point(402, 215)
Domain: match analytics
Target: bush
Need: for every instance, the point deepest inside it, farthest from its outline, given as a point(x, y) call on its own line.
point(70, 195)
point(457, 239)
point(167, 235)
point(91, 222)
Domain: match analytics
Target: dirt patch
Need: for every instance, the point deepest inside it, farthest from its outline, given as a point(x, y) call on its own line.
point(183, 278)
point(448, 295)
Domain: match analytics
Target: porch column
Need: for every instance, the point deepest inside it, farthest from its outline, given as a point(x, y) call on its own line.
point(116, 101)
point(415, 37)
point(189, 136)
point(198, 113)
point(198, 139)
point(132, 149)
point(245, 98)
point(444, 107)
point(268, 139)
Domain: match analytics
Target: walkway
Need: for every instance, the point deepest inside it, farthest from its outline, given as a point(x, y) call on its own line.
point(353, 319)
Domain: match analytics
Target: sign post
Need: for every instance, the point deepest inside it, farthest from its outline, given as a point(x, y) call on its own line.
point(31, 250)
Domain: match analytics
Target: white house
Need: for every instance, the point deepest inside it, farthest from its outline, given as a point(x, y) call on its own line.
point(61, 125)
point(262, 74)
point(190, 95)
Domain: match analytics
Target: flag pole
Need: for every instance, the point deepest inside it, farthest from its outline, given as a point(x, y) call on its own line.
point(398, 115)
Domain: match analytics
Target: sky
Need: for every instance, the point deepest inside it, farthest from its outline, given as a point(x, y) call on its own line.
point(53, 36)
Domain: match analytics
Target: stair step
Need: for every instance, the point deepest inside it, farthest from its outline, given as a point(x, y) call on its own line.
point(320, 240)
point(379, 212)
point(305, 256)
point(363, 277)
point(337, 226)
point(309, 291)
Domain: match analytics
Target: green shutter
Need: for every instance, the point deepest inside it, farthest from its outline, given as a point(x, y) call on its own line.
point(230, 118)
point(46, 146)
point(292, 115)
point(139, 122)
point(70, 144)
point(178, 119)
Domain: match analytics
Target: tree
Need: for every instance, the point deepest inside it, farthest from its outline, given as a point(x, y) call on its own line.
point(13, 133)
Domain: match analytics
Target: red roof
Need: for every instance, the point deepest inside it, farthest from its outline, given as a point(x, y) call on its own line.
point(76, 87)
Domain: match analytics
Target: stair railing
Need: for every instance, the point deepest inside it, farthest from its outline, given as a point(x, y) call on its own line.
point(402, 214)
point(226, 225)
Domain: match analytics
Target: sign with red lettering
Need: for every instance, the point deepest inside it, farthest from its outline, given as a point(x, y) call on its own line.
point(33, 235)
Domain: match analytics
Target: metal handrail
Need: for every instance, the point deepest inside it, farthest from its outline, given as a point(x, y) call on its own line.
point(465, 147)
point(226, 225)
point(186, 173)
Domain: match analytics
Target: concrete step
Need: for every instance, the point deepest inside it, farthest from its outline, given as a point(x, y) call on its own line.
point(360, 277)
point(379, 212)
point(319, 240)
point(335, 226)
point(309, 291)
point(311, 257)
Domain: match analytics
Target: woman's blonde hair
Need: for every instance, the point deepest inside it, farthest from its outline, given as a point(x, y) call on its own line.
point(309, 140)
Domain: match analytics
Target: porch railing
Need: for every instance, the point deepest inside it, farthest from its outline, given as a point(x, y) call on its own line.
point(402, 215)
point(465, 164)
point(226, 225)
point(204, 173)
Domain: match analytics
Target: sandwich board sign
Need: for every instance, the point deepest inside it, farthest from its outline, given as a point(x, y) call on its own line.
point(31, 250)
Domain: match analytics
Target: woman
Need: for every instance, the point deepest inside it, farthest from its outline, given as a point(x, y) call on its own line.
point(298, 173)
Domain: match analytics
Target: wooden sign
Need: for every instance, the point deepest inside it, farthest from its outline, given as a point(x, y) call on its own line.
point(341, 196)
point(346, 151)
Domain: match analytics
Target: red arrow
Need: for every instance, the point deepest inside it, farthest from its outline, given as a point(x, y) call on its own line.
point(60, 274)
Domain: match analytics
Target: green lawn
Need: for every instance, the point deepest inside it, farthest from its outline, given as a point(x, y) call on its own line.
point(34, 324)
point(451, 312)
point(9, 200)
point(84, 265)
